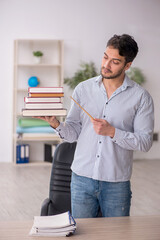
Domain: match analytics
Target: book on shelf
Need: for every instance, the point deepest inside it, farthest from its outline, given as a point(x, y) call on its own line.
point(55, 225)
point(45, 99)
point(34, 95)
point(43, 105)
point(49, 150)
point(44, 112)
point(38, 136)
point(22, 153)
point(45, 89)
point(26, 156)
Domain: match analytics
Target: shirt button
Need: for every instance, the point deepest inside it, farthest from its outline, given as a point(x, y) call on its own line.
point(59, 130)
point(100, 142)
point(104, 116)
point(97, 156)
point(106, 102)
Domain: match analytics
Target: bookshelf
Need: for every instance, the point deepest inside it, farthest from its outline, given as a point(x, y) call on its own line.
point(50, 74)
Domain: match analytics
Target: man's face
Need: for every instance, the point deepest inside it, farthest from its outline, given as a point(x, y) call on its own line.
point(113, 65)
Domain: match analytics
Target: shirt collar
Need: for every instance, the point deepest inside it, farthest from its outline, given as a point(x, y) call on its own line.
point(126, 83)
point(99, 80)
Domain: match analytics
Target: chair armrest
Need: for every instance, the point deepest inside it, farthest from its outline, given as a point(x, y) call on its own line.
point(45, 206)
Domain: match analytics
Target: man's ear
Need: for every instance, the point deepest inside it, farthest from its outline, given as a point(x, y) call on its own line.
point(128, 66)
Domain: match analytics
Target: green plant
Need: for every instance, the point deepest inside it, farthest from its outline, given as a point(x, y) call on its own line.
point(136, 75)
point(38, 54)
point(86, 71)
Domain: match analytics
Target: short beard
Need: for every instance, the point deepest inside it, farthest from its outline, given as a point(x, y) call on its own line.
point(112, 76)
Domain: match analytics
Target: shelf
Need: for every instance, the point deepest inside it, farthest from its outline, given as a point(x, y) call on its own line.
point(39, 40)
point(38, 65)
point(34, 163)
point(50, 74)
point(22, 90)
point(38, 137)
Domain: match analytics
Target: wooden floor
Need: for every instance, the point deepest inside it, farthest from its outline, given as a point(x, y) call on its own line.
point(23, 189)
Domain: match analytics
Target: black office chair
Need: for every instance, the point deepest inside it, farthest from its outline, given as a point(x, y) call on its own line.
point(59, 200)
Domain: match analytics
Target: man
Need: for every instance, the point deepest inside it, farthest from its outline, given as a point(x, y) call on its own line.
point(123, 122)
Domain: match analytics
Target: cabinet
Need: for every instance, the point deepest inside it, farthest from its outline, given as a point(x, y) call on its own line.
point(49, 73)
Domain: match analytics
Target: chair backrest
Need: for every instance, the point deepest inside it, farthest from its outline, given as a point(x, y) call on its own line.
point(61, 177)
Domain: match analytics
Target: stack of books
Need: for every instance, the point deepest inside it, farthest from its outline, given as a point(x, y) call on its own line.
point(44, 101)
point(49, 226)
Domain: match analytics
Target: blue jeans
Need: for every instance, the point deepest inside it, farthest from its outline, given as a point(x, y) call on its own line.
point(88, 196)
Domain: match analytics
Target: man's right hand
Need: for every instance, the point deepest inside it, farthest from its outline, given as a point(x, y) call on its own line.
point(51, 120)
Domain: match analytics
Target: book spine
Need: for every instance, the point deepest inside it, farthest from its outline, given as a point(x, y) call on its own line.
point(47, 153)
point(43, 105)
point(45, 95)
point(26, 158)
point(42, 100)
point(18, 154)
point(53, 149)
point(71, 218)
point(45, 89)
point(22, 153)
point(49, 150)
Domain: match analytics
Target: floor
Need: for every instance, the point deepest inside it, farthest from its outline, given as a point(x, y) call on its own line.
point(23, 189)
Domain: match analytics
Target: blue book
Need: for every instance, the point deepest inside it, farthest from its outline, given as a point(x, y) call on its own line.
point(18, 149)
point(20, 154)
point(22, 157)
point(26, 153)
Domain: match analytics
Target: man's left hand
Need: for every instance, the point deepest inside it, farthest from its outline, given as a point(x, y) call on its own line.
point(102, 127)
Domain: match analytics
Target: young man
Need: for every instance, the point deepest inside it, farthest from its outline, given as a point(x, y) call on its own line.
point(123, 122)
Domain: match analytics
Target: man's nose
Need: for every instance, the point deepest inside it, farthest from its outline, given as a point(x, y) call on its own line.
point(107, 64)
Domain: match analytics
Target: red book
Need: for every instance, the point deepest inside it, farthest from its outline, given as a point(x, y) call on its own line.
point(37, 95)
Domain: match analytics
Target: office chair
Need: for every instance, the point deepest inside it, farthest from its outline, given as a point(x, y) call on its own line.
point(59, 200)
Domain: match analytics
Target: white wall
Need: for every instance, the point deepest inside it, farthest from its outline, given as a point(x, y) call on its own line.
point(85, 26)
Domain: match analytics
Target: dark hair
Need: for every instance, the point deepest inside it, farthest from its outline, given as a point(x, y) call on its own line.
point(126, 45)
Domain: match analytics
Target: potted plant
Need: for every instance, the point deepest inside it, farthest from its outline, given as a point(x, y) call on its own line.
point(86, 71)
point(136, 75)
point(37, 56)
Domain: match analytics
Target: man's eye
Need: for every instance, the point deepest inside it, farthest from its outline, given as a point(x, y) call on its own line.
point(115, 62)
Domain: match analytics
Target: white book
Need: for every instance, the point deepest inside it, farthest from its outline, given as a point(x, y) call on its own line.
point(34, 232)
point(45, 99)
point(45, 89)
point(43, 105)
point(58, 225)
point(56, 230)
point(54, 221)
point(43, 112)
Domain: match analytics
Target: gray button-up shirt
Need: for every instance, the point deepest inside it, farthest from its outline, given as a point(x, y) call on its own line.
point(130, 110)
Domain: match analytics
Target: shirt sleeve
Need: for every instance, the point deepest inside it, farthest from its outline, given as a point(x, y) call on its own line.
point(71, 128)
point(143, 125)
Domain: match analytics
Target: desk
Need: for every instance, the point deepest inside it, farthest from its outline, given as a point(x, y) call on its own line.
point(122, 228)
